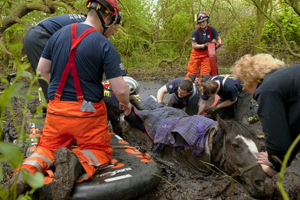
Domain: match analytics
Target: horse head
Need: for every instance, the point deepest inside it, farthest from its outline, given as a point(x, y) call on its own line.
point(235, 149)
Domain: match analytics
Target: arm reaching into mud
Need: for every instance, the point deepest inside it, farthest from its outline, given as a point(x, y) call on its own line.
point(226, 103)
point(160, 94)
point(201, 106)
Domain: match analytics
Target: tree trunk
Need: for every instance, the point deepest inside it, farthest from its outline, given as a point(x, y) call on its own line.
point(259, 26)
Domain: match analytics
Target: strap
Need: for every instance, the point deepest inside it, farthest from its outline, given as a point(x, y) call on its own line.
point(224, 80)
point(194, 91)
point(71, 65)
point(210, 33)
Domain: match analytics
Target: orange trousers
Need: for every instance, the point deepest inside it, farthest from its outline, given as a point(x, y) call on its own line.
point(64, 123)
point(198, 59)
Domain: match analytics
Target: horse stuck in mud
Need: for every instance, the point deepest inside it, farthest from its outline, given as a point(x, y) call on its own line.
point(229, 146)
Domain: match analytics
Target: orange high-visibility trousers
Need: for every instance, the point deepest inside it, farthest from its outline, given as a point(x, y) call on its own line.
point(198, 59)
point(64, 123)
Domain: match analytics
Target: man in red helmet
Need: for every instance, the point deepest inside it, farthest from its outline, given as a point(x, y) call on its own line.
point(199, 56)
point(76, 56)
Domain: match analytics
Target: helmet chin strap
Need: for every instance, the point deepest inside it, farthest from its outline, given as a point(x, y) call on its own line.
point(102, 21)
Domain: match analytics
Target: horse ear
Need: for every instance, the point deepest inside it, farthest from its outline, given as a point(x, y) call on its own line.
point(223, 124)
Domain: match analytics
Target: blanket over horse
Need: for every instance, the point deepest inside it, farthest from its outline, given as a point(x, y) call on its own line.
point(171, 126)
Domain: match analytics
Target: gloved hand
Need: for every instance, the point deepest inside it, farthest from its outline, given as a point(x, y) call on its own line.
point(211, 110)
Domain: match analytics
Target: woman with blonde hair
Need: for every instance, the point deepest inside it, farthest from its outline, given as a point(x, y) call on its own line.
point(276, 88)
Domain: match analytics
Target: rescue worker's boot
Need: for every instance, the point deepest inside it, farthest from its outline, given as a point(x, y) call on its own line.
point(67, 170)
point(192, 77)
point(22, 185)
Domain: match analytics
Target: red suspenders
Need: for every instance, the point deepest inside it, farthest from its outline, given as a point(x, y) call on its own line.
point(71, 64)
point(210, 33)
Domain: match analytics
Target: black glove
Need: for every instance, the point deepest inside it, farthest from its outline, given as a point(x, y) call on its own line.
point(211, 110)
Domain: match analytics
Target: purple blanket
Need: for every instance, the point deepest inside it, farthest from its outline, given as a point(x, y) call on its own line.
point(180, 132)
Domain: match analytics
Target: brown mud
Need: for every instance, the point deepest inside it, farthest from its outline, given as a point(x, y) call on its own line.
point(177, 181)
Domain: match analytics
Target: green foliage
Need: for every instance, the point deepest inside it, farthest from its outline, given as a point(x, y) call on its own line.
point(271, 38)
point(10, 153)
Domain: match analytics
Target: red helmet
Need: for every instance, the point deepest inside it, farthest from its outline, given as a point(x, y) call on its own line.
point(202, 16)
point(111, 5)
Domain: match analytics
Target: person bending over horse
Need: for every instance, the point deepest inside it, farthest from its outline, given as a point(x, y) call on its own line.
point(185, 93)
point(233, 102)
point(276, 89)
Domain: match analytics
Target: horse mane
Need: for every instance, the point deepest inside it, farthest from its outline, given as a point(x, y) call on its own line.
point(243, 129)
point(240, 128)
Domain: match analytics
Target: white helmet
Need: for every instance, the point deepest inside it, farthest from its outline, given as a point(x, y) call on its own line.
point(133, 86)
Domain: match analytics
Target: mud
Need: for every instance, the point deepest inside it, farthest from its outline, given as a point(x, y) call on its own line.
point(178, 182)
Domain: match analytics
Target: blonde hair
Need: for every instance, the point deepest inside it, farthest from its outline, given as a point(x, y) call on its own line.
point(250, 69)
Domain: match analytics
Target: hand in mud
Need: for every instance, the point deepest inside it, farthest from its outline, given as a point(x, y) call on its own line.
point(211, 110)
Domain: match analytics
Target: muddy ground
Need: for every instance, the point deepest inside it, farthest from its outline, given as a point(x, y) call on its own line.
point(177, 183)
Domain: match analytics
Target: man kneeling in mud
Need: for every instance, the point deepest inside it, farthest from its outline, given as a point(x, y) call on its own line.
point(233, 103)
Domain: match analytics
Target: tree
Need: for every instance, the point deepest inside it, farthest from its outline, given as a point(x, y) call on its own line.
point(296, 6)
point(16, 12)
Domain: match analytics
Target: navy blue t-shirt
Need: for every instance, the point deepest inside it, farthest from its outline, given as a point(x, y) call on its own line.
point(95, 55)
point(204, 36)
point(55, 23)
point(229, 91)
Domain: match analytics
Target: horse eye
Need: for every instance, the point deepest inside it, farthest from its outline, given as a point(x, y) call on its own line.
point(236, 146)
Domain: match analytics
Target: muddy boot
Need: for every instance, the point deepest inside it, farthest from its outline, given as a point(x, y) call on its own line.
point(67, 170)
point(22, 186)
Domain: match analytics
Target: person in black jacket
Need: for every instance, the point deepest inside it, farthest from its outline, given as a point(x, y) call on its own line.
point(276, 89)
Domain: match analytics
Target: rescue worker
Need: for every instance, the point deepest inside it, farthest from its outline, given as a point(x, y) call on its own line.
point(184, 94)
point(278, 105)
point(233, 102)
point(199, 58)
point(75, 109)
point(36, 39)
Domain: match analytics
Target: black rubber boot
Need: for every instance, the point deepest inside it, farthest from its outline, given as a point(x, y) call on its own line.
point(192, 77)
point(67, 170)
point(22, 186)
